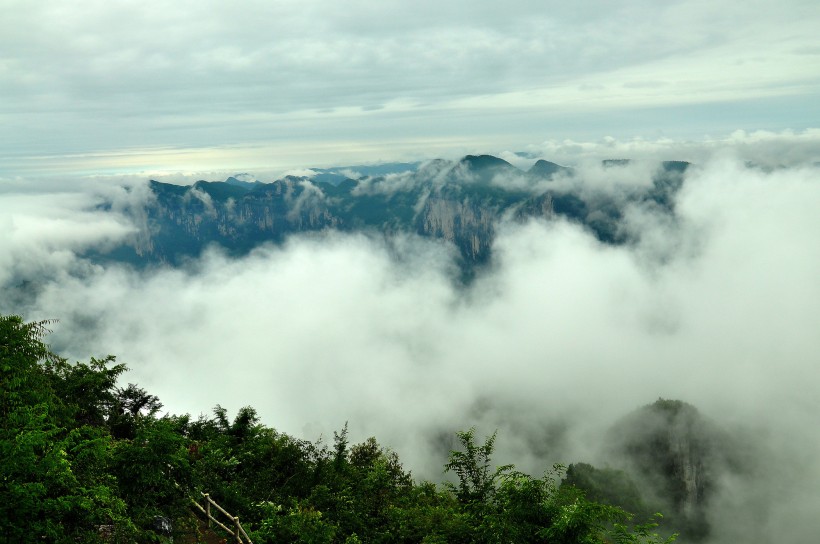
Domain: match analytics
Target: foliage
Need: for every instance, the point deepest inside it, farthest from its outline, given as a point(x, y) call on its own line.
point(55, 484)
point(476, 483)
point(153, 471)
point(80, 454)
point(510, 506)
point(607, 486)
point(85, 391)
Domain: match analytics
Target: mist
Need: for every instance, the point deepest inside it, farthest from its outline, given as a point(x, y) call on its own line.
point(551, 345)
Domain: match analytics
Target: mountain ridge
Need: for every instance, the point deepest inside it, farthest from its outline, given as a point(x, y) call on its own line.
point(461, 202)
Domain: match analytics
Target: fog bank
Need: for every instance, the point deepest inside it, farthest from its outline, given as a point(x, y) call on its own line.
point(562, 336)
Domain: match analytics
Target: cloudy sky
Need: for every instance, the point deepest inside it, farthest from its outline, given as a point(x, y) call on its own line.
point(142, 86)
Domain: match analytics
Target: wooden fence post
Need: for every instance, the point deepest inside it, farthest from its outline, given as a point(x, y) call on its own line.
point(237, 532)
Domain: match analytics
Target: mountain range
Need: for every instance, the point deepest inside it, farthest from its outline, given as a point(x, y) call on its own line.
point(459, 202)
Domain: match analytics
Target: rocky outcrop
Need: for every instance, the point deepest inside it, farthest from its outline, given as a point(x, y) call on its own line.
point(666, 457)
point(673, 454)
point(468, 225)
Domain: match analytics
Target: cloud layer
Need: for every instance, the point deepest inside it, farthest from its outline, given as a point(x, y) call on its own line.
point(560, 338)
point(96, 86)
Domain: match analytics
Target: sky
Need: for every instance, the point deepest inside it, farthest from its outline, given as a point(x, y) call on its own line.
point(96, 87)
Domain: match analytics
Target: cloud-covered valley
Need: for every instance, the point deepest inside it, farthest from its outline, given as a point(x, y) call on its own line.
point(551, 344)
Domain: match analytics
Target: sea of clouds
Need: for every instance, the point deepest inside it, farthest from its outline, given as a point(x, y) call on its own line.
point(550, 346)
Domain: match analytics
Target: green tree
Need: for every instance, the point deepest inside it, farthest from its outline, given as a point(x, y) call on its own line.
point(85, 392)
point(607, 486)
point(505, 505)
point(153, 471)
point(472, 465)
point(54, 485)
point(128, 406)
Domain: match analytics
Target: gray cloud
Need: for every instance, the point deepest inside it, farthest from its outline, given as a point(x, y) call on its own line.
point(94, 77)
point(764, 148)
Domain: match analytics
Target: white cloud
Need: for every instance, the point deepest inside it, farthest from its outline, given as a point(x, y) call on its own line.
point(761, 147)
point(717, 308)
point(42, 231)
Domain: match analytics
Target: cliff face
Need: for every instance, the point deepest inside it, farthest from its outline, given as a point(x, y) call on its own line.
point(687, 455)
point(666, 457)
point(182, 221)
point(463, 223)
point(673, 453)
point(462, 203)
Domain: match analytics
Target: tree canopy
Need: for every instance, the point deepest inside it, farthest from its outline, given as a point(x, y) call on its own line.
point(86, 460)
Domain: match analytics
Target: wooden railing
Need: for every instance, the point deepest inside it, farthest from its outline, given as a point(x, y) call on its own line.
point(237, 531)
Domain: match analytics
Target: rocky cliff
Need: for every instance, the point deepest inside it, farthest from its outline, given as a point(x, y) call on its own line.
point(462, 202)
point(664, 457)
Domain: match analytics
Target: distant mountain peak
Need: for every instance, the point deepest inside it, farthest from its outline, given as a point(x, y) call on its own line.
point(480, 162)
point(545, 169)
point(245, 181)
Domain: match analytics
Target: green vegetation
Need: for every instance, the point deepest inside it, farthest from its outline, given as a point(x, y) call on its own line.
point(84, 460)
